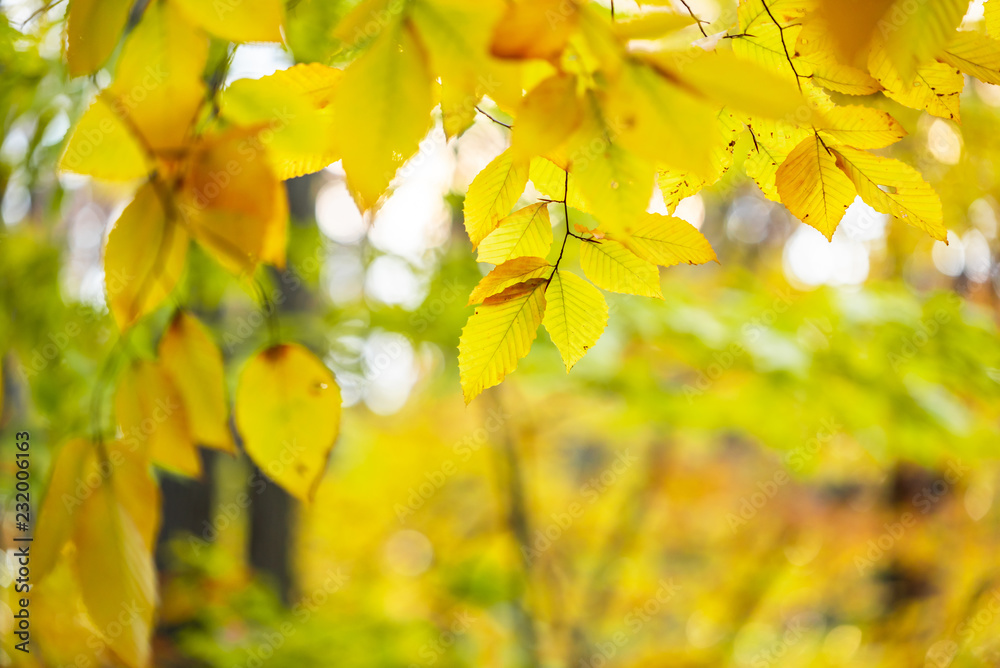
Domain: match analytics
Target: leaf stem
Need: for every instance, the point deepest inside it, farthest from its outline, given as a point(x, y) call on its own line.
point(498, 122)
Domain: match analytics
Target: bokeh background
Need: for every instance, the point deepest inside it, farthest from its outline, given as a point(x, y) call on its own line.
point(791, 461)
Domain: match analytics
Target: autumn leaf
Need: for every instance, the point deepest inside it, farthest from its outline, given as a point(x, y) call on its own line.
point(92, 32)
point(894, 188)
point(492, 194)
point(288, 413)
point(144, 257)
point(666, 241)
point(498, 334)
point(102, 145)
point(612, 266)
point(526, 232)
point(243, 21)
point(295, 107)
point(575, 316)
point(194, 364)
point(377, 137)
point(154, 419)
point(813, 188)
point(518, 270)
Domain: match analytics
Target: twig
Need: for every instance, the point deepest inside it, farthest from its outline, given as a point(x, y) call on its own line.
point(492, 119)
point(696, 19)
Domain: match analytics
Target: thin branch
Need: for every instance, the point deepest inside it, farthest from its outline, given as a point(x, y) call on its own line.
point(492, 119)
point(696, 19)
point(781, 34)
point(562, 249)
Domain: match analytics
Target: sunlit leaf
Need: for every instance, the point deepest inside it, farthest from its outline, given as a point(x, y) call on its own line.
point(103, 146)
point(537, 29)
point(233, 203)
point(194, 364)
point(116, 574)
point(518, 270)
point(59, 506)
point(158, 83)
point(612, 266)
point(498, 334)
point(92, 32)
point(294, 107)
point(813, 189)
point(492, 194)
point(144, 257)
point(154, 419)
point(237, 21)
point(377, 137)
point(288, 413)
point(666, 241)
point(894, 188)
point(525, 232)
point(575, 316)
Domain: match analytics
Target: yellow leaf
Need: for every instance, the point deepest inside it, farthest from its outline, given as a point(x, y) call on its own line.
point(535, 29)
point(894, 188)
point(194, 363)
point(548, 115)
point(492, 194)
point(752, 14)
point(59, 506)
point(136, 489)
point(991, 12)
point(651, 25)
point(728, 80)
point(818, 48)
point(852, 23)
point(652, 118)
point(772, 142)
point(92, 32)
point(615, 182)
point(976, 55)
point(456, 35)
point(612, 266)
point(232, 202)
point(518, 270)
point(498, 334)
point(144, 258)
point(294, 106)
point(103, 146)
point(116, 574)
point(677, 185)
point(766, 46)
point(154, 420)
point(288, 413)
point(575, 316)
point(551, 180)
point(919, 29)
point(667, 241)
point(935, 86)
point(377, 137)
point(458, 109)
point(525, 232)
point(158, 82)
point(860, 127)
point(237, 20)
point(812, 187)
